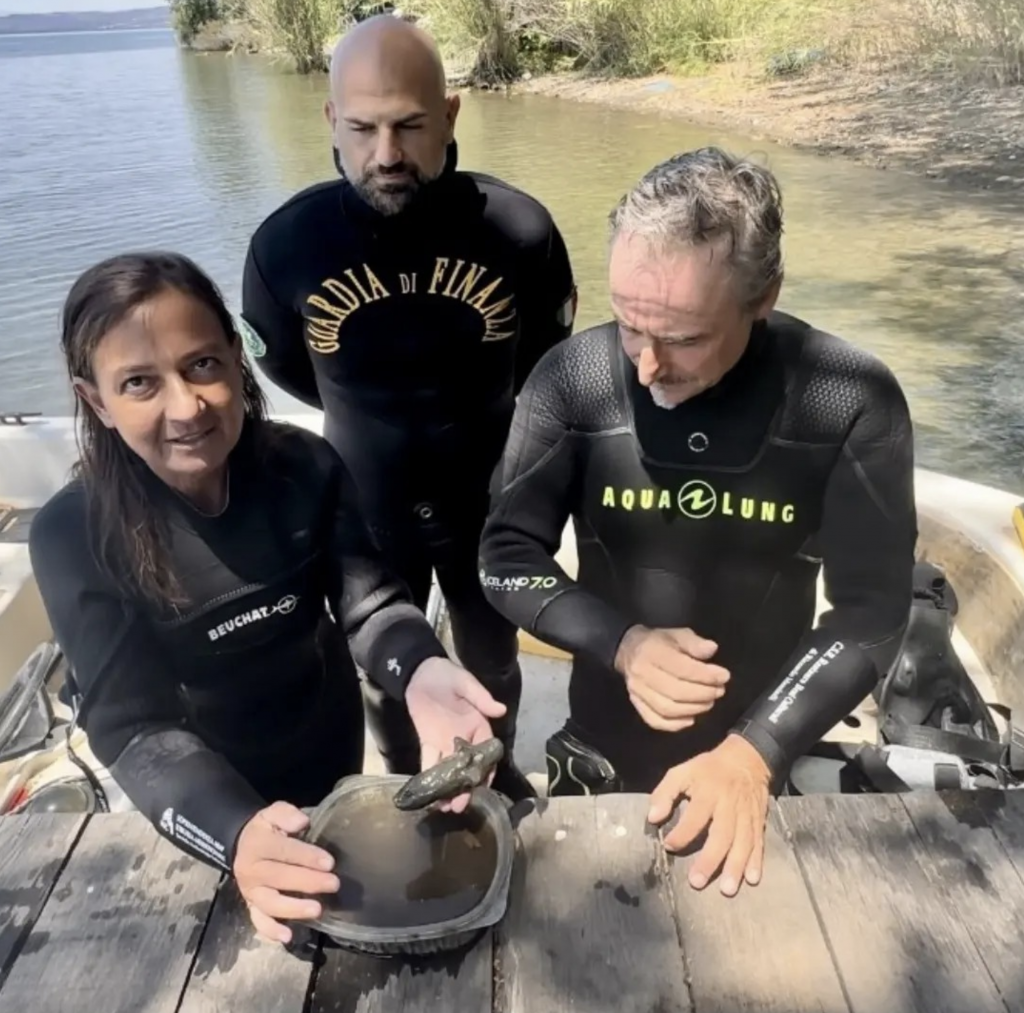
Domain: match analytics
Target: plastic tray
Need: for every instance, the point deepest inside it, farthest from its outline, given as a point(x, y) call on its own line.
point(372, 793)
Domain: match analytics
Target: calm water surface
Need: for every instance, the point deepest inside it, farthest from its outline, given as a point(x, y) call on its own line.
point(113, 141)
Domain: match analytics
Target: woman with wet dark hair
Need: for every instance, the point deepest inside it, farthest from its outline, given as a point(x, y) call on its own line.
point(212, 584)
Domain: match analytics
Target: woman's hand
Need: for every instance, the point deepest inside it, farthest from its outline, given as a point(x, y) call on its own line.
point(269, 863)
point(445, 702)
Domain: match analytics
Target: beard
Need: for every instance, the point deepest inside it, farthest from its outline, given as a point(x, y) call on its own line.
point(391, 197)
point(672, 395)
point(392, 190)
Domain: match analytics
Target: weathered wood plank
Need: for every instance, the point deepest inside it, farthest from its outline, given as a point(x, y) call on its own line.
point(967, 865)
point(742, 952)
point(590, 924)
point(234, 969)
point(1004, 813)
point(897, 942)
point(120, 929)
point(33, 849)
point(454, 983)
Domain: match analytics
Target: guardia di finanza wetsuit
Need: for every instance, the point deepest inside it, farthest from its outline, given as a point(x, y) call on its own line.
point(414, 332)
point(247, 694)
point(715, 515)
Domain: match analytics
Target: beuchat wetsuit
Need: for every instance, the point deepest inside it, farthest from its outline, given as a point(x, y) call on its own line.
point(207, 711)
point(414, 332)
point(715, 515)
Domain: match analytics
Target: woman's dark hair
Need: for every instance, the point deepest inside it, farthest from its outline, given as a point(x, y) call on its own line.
point(131, 535)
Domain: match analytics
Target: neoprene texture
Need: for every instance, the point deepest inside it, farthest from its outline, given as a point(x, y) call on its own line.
point(718, 515)
point(248, 693)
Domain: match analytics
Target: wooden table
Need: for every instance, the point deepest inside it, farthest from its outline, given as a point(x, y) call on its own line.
point(877, 904)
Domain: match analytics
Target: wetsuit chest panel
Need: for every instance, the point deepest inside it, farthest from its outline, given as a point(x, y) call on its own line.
point(255, 582)
point(267, 613)
point(387, 321)
point(711, 470)
point(767, 511)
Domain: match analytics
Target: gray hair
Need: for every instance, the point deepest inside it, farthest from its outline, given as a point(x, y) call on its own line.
point(704, 196)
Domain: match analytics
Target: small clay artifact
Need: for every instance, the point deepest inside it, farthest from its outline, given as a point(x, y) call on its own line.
point(464, 770)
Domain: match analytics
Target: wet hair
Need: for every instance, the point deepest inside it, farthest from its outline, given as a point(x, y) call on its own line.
point(131, 537)
point(706, 196)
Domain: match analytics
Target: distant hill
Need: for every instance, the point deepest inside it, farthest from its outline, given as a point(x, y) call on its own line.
point(86, 21)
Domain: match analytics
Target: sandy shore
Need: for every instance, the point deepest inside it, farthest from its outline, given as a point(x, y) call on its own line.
point(971, 137)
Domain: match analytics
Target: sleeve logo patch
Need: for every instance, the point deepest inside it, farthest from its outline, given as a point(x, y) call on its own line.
point(253, 343)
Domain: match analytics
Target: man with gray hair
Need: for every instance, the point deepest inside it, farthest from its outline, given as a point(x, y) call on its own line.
point(714, 454)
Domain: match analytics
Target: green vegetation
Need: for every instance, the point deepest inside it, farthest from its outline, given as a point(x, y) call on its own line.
point(299, 29)
point(189, 16)
point(978, 38)
point(501, 38)
point(495, 41)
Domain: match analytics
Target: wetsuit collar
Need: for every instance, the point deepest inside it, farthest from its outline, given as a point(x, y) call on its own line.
point(746, 365)
point(240, 464)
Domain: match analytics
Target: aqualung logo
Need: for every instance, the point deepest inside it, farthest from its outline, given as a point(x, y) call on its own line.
point(285, 606)
point(698, 500)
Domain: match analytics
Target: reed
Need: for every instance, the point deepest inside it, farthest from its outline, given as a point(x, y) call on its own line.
point(974, 38)
point(299, 28)
point(495, 40)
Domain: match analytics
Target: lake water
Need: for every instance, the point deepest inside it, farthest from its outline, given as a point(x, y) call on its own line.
point(115, 141)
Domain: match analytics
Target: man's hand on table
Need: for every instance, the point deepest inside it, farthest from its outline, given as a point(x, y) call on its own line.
point(668, 676)
point(270, 863)
point(728, 788)
point(446, 702)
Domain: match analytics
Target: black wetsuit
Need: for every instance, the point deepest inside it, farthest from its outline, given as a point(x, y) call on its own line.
point(715, 515)
point(414, 333)
point(207, 712)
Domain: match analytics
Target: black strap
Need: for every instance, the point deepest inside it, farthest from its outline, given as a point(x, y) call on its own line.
point(1015, 737)
point(102, 802)
point(871, 763)
point(1007, 753)
point(899, 732)
point(77, 698)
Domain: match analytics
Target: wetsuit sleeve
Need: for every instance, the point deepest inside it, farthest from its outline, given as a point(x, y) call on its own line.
point(547, 303)
point(388, 636)
point(867, 538)
point(277, 342)
point(130, 708)
point(533, 491)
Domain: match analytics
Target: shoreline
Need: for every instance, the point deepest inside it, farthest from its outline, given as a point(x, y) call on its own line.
point(886, 116)
point(970, 137)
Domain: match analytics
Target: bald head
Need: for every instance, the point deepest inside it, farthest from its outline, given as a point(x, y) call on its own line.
point(391, 54)
point(390, 115)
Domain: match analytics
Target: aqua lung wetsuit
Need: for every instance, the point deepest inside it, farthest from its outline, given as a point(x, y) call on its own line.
point(248, 693)
point(714, 515)
point(414, 332)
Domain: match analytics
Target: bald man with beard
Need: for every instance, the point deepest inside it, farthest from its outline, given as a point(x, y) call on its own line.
point(409, 300)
